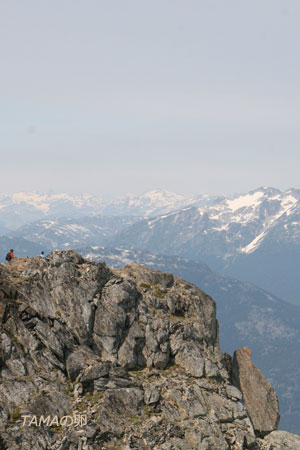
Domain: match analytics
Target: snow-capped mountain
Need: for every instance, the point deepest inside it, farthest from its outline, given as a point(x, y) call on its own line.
point(221, 229)
point(21, 208)
point(248, 316)
point(228, 233)
point(153, 203)
point(25, 207)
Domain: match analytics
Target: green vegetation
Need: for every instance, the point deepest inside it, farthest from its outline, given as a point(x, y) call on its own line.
point(89, 399)
point(173, 318)
point(19, 280)
point(114, 446)
point(134, 419)
point(94, 398)
point(56, 429)
point(149, 411)
point(82, 406)
point(16, 414)
point(19, 343)
point(69, 386)
point(159, 293)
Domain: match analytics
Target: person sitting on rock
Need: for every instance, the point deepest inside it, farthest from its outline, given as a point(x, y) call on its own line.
point(42, 255)
point(10, 255)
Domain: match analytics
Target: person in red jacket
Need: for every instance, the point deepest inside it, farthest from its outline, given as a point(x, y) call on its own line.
point(10, 255)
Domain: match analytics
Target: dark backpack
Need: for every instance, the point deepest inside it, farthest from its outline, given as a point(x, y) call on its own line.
point(7, 257)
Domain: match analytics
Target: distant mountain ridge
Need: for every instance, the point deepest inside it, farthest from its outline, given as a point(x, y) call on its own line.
point(67, 232)
point(240, 223)
point(253, 237)
point(153, 203)
point(22, 208)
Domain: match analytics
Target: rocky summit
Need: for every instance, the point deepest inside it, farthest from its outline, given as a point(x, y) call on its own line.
point(95, 358)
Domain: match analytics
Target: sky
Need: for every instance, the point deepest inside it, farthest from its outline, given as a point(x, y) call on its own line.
point(119, 96)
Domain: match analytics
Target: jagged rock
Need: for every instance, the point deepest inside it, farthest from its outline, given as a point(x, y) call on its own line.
point(234, 393)
point(151, 394)
point(278, 440)
point(133, 350)
point(78, 360)
point(189, 357)
point(259, 396)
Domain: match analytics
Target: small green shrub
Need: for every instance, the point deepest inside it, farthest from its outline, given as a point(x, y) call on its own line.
point(16, 413)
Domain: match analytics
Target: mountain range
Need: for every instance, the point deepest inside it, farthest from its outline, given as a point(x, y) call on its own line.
point(67, 232)
point(22, 208)
point(253, 237)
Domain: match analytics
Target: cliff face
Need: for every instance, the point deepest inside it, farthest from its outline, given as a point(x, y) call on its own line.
point(93, 358)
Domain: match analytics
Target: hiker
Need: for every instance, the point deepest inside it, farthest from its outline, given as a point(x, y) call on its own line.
point(42, 255)
point(10, 255)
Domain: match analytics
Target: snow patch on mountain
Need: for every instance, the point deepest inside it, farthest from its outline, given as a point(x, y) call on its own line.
point(221, 230)
point(287, 205)
point(251, 199)
point(156, 197)
point(43, 202)
point(253, 244)
point(153, 203)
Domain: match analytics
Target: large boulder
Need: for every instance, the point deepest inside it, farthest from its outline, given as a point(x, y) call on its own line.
point(260, 398)
point(279, 440)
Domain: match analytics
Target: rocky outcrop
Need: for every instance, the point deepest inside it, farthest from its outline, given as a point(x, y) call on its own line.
point(279, 440)
point(93, 358)
point(260, 398)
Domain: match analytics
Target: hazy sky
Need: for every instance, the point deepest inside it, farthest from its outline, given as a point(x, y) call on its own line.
point(117, 96)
